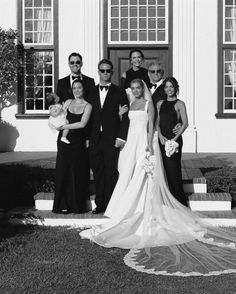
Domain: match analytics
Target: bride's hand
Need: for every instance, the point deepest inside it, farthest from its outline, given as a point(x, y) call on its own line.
point(149, 149)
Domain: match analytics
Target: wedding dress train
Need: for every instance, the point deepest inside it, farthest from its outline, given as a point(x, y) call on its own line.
point(165, 237)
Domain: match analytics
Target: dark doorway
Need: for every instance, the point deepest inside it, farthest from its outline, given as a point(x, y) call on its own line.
point(120, 60)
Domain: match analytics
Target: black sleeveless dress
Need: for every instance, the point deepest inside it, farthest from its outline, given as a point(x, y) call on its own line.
point(72, 170)
point(131, 74)
point(172, 165)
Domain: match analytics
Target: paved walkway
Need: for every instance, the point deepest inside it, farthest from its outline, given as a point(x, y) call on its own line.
point(192, 163)
point(189, 159)
point(43, 159)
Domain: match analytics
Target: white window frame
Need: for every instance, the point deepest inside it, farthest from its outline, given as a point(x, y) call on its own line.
point(223, 54)
point(138, 42)
point(40, 47)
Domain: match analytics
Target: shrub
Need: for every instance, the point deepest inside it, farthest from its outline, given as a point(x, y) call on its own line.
point(10, 61)
point(221, 180)
point(19, 183)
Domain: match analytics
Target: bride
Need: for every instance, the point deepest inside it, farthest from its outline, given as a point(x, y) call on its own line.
point(164, 237)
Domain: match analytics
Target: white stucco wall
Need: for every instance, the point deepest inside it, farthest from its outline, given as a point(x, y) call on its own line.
point(79, 29)
point(194, 65)
point(214, 135)
point(8, 14)
point(184, 62)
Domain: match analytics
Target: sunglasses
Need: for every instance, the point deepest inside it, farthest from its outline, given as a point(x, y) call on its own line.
point(155, 71)
point(105, 70)
point(75, 62)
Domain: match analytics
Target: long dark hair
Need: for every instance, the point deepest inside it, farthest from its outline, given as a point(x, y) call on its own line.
point(135, 50)
point(81, 82)
point(174, 82)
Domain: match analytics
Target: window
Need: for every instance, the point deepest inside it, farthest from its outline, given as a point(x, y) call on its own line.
point(138, 21)
point(37, 27)
point(227, 59)
point(143, 24)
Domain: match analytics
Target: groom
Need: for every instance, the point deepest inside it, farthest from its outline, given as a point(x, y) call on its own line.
point(108, 133)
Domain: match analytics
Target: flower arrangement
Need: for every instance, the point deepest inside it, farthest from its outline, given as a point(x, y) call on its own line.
point(171, 147)
point(148, 164)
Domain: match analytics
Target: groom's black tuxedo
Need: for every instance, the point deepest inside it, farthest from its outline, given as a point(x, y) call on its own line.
point(105, 127)
point(107, 117)
point(64, 90)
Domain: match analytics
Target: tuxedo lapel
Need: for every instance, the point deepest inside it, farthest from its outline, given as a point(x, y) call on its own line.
point(68, 86)
point(108, 96)
point(97, 100)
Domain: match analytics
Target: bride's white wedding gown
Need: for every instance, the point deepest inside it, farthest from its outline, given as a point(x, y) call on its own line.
point(164, 236)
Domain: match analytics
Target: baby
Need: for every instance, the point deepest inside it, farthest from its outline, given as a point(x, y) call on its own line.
point(57, 115)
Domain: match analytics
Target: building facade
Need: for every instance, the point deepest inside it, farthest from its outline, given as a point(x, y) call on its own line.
point(194, 40)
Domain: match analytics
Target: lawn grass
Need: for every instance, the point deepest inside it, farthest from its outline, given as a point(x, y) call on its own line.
point(37, 259)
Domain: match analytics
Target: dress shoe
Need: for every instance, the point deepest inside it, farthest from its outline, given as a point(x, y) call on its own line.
point(98, 210)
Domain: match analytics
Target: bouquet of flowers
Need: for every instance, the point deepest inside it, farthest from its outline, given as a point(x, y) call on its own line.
point(148, 164)
point(171, 147)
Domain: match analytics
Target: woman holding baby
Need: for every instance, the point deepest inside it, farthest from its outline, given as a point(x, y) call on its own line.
point(72, 166)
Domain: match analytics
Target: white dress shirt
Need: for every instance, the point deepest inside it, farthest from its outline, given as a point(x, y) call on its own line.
point(153, 89)
point(103, 94)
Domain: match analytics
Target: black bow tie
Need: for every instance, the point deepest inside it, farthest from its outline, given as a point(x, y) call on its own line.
point(104, 87)
point(153, 85)
point(76, 77)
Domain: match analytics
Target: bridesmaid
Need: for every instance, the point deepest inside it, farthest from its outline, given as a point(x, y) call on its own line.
point(136, 58)
point(72, 166)
point(170, 112)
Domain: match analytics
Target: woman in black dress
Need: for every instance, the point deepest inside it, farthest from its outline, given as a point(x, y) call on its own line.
point(136, 58)
point(170, 112)
point(72, 165)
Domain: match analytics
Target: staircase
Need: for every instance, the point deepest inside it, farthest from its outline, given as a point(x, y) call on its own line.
point(213, 207)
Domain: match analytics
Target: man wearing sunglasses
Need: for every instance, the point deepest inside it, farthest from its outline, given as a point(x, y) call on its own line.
point(156, 87)
point(155, 73)
point(108, 133)
point(64, 90)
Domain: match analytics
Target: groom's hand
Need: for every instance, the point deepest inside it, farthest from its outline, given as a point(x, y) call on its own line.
point(119, 144)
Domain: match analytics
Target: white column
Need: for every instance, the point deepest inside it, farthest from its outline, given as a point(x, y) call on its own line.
point(92, 36)
point(184, 63)
point(79, 31)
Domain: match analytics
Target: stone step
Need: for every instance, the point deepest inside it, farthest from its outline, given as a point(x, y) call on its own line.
point(47, 218)
point(210, 201)
point(22, 215)
point(195, 185)
point(220, 218)
point(44, 201)
point(197, 201)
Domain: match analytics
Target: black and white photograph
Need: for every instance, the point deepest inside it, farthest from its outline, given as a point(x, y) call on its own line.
point(118, 146)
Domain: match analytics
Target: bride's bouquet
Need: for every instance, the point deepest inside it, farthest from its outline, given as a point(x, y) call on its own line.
point(171, 147)
point(148, 164)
